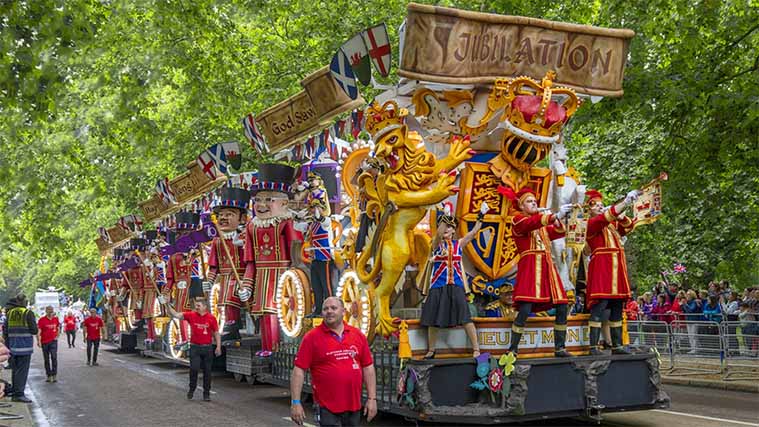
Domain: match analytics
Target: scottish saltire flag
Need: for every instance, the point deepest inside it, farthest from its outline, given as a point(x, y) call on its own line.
point(254, 136)
point(378, 45)
point(358, 56)
point(219, 157)
point(233, 154)
point(343, 74)
point(164, 191)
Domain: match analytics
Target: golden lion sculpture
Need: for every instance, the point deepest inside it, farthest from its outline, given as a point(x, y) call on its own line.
point(398, 198)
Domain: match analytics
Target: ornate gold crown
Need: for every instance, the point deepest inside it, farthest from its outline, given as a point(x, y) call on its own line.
point(537, 129)
point(380, 120)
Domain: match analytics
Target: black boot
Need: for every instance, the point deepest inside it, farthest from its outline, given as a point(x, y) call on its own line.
point(560, 338)
point(595, 334)
point(616, 340)
point(231, 332)
point(515, 338)
point(138, 327)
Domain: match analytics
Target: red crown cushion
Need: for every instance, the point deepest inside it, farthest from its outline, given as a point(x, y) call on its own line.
point(529, 105)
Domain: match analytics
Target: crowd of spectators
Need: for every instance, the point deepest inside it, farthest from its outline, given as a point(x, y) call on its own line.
point(668, 302)
point(718, 302)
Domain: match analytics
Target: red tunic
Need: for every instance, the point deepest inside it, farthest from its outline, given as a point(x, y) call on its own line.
point(136, 282)
point(267, 254)
point(220, 270)
point(538, 281)
point(149, 294)
point(179, 269)
point(607, 271)
point(114, 286)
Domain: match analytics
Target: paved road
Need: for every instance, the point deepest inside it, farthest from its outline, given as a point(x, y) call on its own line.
point(129, 390)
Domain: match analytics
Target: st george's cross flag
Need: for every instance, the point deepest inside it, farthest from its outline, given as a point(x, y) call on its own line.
point(358, 56)
point(254, 136)
point(343, 74)
point(378, 46)
point(207, 165)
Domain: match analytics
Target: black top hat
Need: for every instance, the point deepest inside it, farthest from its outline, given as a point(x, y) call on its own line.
point(150, 235)
point(275, 177)
point(138, 244)
point(232, 197)
point(187, 220)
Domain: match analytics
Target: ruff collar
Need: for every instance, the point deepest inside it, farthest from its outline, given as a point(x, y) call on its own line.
point(268, 222)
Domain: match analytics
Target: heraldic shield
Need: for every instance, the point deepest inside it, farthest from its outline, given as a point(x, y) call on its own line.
point(493, 251)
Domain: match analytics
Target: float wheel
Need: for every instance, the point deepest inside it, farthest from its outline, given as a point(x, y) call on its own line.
point(173, 337)
point(293, 301)
point(357, 302)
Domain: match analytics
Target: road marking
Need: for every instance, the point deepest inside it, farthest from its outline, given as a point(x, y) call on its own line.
point(702, 417)
point(213, 392)
point(291, 420)
point(152, 371)
point(119, 360)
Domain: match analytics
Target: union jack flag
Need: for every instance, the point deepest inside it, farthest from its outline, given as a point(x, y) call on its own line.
point(104, 234)
point(164, 191)
point(679, 268)
point(130, 223)
point(255, 137)
point(357, 116)
point(447, 263)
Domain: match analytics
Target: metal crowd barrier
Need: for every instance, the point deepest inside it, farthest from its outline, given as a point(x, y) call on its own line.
point(741, 350)
point(726, 349)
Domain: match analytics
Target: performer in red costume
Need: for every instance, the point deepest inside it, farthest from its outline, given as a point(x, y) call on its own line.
point(134, 279)
point(181, 269)
point(271, 242)
point(226, 257)
point(154, 272)
point(538, 286)
point(114, 286)
point(608, 286)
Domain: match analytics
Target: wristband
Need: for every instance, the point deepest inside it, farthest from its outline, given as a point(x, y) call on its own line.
point(295, 401)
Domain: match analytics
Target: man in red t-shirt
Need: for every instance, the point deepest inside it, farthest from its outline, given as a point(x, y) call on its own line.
point(339, 358)
point(92, 327)
point(204, 329)
point(69, 326)
point(48, 329)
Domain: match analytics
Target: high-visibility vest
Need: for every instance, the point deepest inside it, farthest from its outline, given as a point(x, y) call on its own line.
point(20, 337)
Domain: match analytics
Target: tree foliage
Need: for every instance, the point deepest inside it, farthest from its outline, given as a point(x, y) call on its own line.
point(99, 99)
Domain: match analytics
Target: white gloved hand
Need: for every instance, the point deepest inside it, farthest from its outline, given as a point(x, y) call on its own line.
point(632, 196)
point(564, 211)
point(484, 208)
point(162, 299)
point(139, 305)
point(244, 294)
point(206, 286)
point(147, 263)
point(120, 298)
point(181, 284)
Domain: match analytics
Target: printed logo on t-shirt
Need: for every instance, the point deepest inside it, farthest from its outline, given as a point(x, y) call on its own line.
point(204, 327)
point(346, 354)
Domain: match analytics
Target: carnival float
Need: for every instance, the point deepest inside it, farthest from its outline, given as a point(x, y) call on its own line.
point(349, 204)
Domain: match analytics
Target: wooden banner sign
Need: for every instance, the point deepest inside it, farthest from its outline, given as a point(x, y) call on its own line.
point(153, 208)
point(328, 99)
point(189, 184)
point(102, 245)
point(287, 121)
point(118, 235)
point(306, 112)
point(446, 45)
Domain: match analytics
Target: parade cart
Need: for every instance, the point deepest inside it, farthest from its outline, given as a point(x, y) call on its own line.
point(460, 73)
point(480, 104)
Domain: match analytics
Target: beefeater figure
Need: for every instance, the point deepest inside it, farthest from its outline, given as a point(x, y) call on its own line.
point(271, 243)
point(226, 257)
